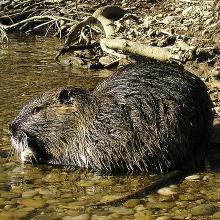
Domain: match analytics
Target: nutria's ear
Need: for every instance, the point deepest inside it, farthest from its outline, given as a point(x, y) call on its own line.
point(65, 96)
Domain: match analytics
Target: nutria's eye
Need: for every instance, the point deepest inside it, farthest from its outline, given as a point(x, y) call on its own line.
point(65, 97)
point(36, 110)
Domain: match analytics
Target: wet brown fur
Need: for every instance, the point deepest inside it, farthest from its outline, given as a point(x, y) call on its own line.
point(148, 116)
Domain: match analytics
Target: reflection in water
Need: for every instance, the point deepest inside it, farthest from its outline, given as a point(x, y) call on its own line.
point(27, 68)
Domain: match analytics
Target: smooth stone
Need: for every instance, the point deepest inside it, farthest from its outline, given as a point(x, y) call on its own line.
point(29, 194)
point(52, 201)
point(168, 19)
point(114, 216)
point(200, 201)
point(121, 210)
point(216, 216)
point(10, 202)
point(140, 208)
point(152, 199)
point(148, 20)
point(204, 209)
point(181, 214)
point(216, 72)
point(144, 218)
point(160, 205)
point(52, 178)
point(10, 195)
point(106, 60)
point(193, 177)
point(6, 215)
point(96, 217)
point(84, 183)
point(131, 203)
point(66, 200)
point(187, 197)
point(20, 213)
point(7, 207)
point(187, 11)
point(163, 218)
point(67, 196)
point(46, 217)
point(170, 198)
point(40, 203)
point(166, 191)
point(23, 210)
point(47, 192)
point(70, 212)
point(16, 189)
point(213, 196)
point(74, 205)
point(105, 182)
point(144, 215)
point(2, 200)
point(109, 198)
point(80, 217)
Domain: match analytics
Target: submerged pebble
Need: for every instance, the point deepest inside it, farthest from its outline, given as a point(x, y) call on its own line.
point(160, 205)
point(166, 191)
point(181, 214)
point(9, 195)
point(203, 209)
point(16, 214)
point(145, 215)
point(163, 218)
point(131, 203)
point(80, 217)
point(47, 217)
point(121, 210)
point(216, 216)
point(29, 194)
point(39, 203)
point(193, 177)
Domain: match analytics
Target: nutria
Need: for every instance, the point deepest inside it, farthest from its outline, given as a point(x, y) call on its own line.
point(148, 116)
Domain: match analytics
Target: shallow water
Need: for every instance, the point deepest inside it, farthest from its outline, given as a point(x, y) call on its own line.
point(27, 68)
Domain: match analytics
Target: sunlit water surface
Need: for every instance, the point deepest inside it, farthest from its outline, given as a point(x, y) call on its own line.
point(27, 68)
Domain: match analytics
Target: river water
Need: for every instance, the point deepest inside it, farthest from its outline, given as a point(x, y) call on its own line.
point(27, 68)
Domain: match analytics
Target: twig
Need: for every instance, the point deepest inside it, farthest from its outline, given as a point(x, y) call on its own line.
point(41, 25)
point(59, 30)
point(3, 34)
point(48, 29)
point(6, 27)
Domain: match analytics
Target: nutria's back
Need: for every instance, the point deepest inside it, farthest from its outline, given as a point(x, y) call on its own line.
point(146, 117)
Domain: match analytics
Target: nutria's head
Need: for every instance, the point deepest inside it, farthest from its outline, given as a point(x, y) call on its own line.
point(44, 129)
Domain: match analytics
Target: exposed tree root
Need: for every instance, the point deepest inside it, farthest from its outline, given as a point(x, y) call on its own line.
point(157, 53)
point(103, 18)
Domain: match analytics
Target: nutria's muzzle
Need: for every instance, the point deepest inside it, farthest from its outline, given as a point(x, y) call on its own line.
point(28, 147)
